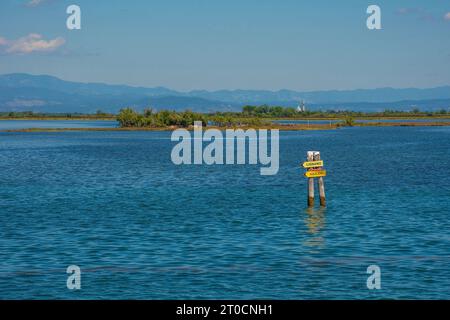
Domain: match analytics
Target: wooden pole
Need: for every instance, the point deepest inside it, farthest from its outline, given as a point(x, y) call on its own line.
point(321, 184)
point(310, 157)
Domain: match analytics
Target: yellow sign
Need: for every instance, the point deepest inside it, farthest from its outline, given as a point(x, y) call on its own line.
point(313, 164)
point(315, 173)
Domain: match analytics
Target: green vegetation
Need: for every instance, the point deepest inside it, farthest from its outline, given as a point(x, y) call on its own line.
point(128, 118)
point(250, 116)
point(265, 113)
point(348, 121)
point(268, 111)
point(291, 113)
point(254, 116)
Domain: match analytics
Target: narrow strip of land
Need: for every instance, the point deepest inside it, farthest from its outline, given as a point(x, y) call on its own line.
point(255, 117)
point(286, 127)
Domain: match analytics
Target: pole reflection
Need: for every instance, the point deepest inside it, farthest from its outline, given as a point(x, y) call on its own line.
point(315, 222)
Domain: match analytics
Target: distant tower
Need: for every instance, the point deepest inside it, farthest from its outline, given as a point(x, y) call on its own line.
point(301, 107)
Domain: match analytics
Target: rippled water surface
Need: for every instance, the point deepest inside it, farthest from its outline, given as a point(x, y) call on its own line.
point(50, 124)
point(142, 228)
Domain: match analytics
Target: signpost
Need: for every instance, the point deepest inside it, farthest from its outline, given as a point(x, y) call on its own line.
point(315, 173)
point(315, 169)
point(312, 164)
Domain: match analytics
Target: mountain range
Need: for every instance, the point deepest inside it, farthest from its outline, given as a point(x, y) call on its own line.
point(44, 93)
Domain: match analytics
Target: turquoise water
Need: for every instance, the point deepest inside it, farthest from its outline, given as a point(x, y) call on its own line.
point(52, 124)
point(140, 227)
point(49, 124)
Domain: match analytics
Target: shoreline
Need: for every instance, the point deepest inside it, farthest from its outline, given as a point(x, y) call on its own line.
point(287, 127)
point(267, 119)
point(56, 119)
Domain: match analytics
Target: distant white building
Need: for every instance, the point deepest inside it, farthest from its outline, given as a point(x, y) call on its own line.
point(301, 107)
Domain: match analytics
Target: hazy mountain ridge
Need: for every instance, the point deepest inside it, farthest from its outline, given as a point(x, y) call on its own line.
point(18, 80)
point(21, 92)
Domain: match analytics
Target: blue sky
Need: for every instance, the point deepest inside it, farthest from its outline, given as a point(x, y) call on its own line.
point(230, 44)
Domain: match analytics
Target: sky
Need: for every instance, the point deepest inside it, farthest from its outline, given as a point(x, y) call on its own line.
point(230, 44)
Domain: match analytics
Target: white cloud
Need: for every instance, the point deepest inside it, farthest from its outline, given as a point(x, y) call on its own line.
point(25, 103)
point(407, 10)
point(419, 13)
point(447, 16)
point(31, 43)
point(35, 3)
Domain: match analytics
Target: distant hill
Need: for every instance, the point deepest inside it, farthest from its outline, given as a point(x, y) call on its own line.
point(43, 93)
point(327, 97)
point(22, 80)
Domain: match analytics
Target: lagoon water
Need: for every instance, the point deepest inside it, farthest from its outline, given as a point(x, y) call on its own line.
point(142, 228)
point(51, 124)
point(6, 125)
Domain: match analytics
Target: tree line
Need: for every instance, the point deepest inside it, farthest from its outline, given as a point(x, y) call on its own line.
point(165, 118)
point(249, 116)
